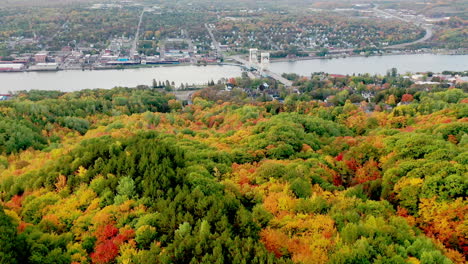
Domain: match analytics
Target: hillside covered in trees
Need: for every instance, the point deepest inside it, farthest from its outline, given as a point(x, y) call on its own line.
point(133, 176)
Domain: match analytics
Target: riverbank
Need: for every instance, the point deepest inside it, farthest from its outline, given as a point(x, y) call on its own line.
point(146, 66)
point(105, 68)
point(73, 80)
point(374, 64)
point(227, 62)
point(342, 56)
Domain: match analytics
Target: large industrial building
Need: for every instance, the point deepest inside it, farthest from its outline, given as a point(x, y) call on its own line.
point(12, 67)
point(44, 67)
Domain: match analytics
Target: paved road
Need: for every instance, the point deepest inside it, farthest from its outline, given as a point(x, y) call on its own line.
point(376, 9)
point(213, 39)
point(427, 36)
point(183, 95)
point(271, 74)
point(137, 35)
point(279, 78)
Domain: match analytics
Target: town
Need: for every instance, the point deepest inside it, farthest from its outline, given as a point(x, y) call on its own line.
point(147, 35)
point(233, 131)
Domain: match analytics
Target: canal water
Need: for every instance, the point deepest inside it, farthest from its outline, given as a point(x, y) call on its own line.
point(77, 80)
point(375, 64)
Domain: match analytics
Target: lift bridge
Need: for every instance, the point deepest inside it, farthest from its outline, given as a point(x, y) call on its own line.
point(261, 65)
point(253, 64)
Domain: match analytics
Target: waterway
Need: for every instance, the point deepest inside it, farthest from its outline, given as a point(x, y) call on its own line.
point(77, 80)
point(375, 64)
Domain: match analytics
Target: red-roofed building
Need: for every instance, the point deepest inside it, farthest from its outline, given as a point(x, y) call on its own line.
point(40, 57)
point(337, 75)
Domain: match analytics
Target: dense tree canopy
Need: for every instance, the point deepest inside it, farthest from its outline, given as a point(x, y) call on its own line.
point(119, 176)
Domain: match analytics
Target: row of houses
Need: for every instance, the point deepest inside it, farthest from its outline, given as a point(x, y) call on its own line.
point(4, 97)
point(437, 79)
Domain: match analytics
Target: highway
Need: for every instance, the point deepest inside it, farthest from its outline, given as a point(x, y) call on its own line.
point(269, 73)
point(133, 50)
point(279, 78)
point(213, 39)
point(183, 95)
point(376, 9)
point(427, 36)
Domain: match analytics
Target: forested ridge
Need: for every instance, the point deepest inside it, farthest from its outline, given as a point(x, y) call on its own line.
point(134, 176)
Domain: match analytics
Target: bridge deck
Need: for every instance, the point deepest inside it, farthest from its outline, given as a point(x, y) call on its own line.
point(279, 78)
point(271, 74)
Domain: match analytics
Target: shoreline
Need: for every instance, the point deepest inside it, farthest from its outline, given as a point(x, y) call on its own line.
point(273, 60)
point(139, 66)
point(230, 62)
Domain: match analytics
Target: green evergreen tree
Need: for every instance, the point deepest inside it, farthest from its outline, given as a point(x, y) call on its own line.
point(8, 239)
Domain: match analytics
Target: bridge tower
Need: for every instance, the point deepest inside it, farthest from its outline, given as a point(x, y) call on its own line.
point(253, 58)
point(265, 60)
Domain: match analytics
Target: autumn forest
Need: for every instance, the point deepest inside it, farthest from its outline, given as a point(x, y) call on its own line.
point(136, 176)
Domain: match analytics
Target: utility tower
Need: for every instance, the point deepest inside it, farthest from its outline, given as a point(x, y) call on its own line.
point(253, 58)
point(264, 61)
